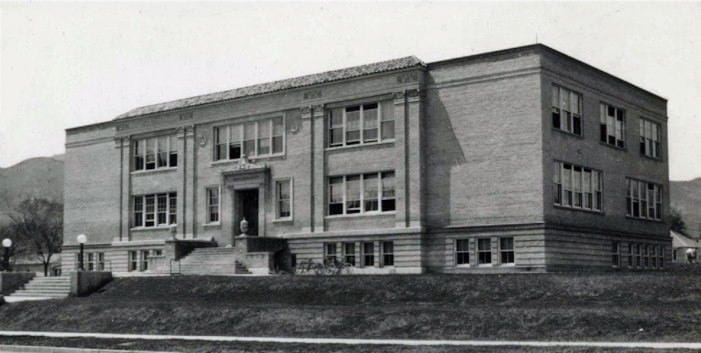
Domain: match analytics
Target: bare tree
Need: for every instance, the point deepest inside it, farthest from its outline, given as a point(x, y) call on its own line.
point(38, 224)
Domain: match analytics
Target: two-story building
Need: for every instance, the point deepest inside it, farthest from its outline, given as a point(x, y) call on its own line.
point(523, 159)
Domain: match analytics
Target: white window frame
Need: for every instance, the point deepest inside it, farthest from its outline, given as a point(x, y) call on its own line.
point(144, 142)
point(277, 200)
point(643, 204)
point(512, 251)
point(568, 121)
point(613, 128)
point(344, 126)
point(379, 210)
point(383, 253)
point(650, 141)
point(489, 251)
point(208, 205)
point(595, 188)
point(155, 210)
point(466, 250)
point(241, 127)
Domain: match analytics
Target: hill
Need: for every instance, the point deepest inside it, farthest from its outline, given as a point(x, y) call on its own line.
point(686, 196)
point(35, 177)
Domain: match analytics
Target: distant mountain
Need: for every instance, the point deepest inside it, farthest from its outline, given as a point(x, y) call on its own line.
point(686, 197)
point(34, 177)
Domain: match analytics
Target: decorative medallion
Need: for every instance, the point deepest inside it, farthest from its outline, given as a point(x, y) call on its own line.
point(202, 139)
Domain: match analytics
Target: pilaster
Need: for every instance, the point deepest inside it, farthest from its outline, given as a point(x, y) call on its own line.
point(318, 170)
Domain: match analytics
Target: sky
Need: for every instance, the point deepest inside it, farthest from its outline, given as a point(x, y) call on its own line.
point(69, 64)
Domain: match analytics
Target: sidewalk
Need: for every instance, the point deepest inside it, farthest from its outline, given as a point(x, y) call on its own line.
point(362, 341)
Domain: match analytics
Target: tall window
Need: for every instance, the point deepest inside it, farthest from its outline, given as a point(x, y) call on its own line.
point(638, 260)
point(213, 205)
point(154, 210)
point(133, 261)
point(283, 199)
point(368, 253)
point(484, 251)
point(567, 110)
point(155, 153)
point(650, 137)
point(462, 251)
point(660, 256)
point(359, 124)
point(387, 253)
point(643, 199)
point(330, 253)
point(506, 250)
point(349, 253)
point(91, 261)
point(577, 187)
point(255, 139)
point(646, 261)
point(362, 193)
point(144, 260)
point(612, 125)
point(615, 254)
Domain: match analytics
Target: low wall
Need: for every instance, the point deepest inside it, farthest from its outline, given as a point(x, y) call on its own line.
point(249, 244)
point(84, 283)
point(177, 249)
point(11, 281)
point(259, 263)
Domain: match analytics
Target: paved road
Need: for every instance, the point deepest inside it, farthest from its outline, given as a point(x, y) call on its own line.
point(363, 341)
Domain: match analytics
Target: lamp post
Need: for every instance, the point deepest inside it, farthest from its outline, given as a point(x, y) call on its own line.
point(81, 240)
point(7, 243)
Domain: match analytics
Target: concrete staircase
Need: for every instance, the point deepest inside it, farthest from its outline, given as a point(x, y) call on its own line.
point(42, 288)
point(211, 261)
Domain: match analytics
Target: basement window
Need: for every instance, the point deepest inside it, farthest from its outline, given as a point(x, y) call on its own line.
point(462, 252)
point(484, 251)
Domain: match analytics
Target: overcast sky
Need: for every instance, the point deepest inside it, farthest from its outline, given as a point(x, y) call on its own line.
point(66, 65)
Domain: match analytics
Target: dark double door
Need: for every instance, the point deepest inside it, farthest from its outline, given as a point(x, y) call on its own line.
point(247, 202)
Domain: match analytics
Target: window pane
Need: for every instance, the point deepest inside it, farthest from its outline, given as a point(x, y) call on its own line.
point(283, 197)
point(234, 142)
point(249, 139)
point(150, 153)
point(352, 125)
point(336, 195)
point(173, 153)
point(172, 208)
point(264, 137)
point(353, 194)
point(370, 192)
point(162, 208)
point(388, 197)
point(370, 116)
point(163, 151)
point(278, 132)
point(335, 127)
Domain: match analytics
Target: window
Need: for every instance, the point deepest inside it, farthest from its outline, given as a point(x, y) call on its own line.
point(612, 125)
point(329, 253)
point(155, 153)
point(254, 139)
point(615, 254)
point(484, 251)
point(100, 261)
point(506, 250)
point(359, 124)
point(144, 260)
point(361, 193)
point(368, 254)
point(213, 205)
point(387, 253)
point(154, 210)
point(91, 261)
point(638, 260)
point(630, 255)
point(567, 110)
point(462, 252)
point(643, 200)
point(577, 187)
point(653, 256)
point(133, 261)
point(283, 197)
point(660, 256)
point(349, 253)
point(646, 262)
point(650, 138)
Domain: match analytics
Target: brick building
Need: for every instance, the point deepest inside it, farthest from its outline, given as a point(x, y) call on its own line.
point(523, 159)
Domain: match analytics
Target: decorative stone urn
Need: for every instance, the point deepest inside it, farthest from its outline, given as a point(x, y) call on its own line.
point(244, 227)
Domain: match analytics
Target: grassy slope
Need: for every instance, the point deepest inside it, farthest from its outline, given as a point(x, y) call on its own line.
point(666, 306)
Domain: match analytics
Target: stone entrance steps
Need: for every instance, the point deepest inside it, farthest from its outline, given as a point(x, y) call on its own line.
point(42, 288)
point(211, 261)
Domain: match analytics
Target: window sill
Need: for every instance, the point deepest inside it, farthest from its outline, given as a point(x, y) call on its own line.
point(369, 144)
point(463, 265)
point(645, 219)
point(146, 229)
point(153, 171)
point(250, 159)
point(283, 220)
point(485, 265)
point(567, 133)
point(656, 159)
point(601, 213)
point(360, 215)
point(622, 149)
point(510, 264)
point(212, 225)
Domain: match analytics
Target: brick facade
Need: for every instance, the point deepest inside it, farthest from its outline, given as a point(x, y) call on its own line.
point(472, 157)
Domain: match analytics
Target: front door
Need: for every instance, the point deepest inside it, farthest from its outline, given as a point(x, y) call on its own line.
point(248, 209)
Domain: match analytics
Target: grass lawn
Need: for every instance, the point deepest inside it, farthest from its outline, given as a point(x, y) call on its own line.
point(209, 347)
point(662, 306)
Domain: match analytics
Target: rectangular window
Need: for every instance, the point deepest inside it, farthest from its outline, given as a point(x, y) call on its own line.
point(144, 260)
point(646, 258)
point(630, 255)
point(577, 187)
point(638, 260)
point(260, 138)
point(283, 197)
point(155, 153)
point(369, 254)
point(349, 253)
point(653, 256)
point(133, 261)
point(360, 124)
point(330, 253)
point(484, 251)
point(387, 253)
point(154, 210)
point(220, 143)
point(650, 138)
point(249, 139)
point(278, 135)
point(91, 261)
point(643, 199)
point(362, 193)
point(213, 205)
point(506, 250)
point(462, 252)
point(615, 254)
point(660, 256)
point(612, 122)
point(566, 110)
point(100, 261)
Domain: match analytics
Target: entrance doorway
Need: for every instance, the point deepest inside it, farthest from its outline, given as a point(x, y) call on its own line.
point(246, 207)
